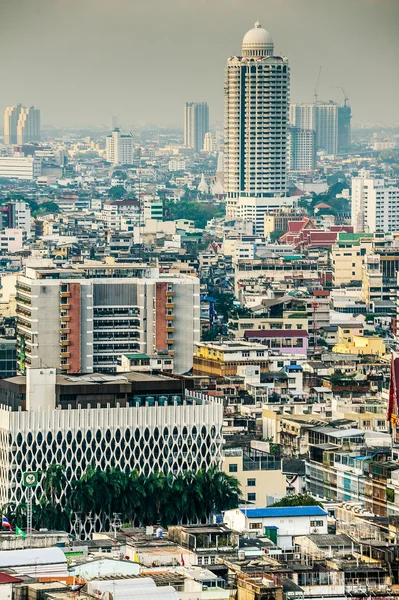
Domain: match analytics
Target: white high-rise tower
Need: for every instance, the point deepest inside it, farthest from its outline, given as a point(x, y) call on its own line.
point(256, 119)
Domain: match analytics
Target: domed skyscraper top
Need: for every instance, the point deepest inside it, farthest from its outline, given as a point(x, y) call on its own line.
point(257, 42)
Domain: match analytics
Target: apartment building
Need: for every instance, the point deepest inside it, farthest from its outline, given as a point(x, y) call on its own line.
point(348, 256)
point(119, 148)
point(374, 204)
point(259, 473)
point(291, 320)
point(80, 320)
point(221, 360)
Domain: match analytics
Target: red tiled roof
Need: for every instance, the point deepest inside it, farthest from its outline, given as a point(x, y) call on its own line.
point(321, 293)
point(4, 578)
point(322, 205)
point(276, 333)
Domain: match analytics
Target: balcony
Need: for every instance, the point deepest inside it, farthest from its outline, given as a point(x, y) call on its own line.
point(65, 355)
point(170, 330)
point(65, 294)
point(65, 367)
point(65, 306)
point(65, 319)
point(65, 342)
point(170, 342)
point(65, 330)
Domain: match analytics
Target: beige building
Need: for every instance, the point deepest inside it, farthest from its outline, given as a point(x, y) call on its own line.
point(290, 320)
point(348, 256)
point(259, 473)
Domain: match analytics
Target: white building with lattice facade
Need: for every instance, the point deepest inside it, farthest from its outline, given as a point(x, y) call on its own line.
point(168, 433)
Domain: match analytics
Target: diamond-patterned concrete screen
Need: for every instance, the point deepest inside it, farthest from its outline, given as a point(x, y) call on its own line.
point(172, 439)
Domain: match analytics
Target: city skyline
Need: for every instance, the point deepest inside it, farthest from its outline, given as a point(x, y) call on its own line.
point(194, 43)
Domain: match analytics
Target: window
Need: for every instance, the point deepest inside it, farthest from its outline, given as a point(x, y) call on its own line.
point(255, 525)
point(280, 364)
point(251, 497)
point(245, 354)
point(316, 523)
point(206, 560)
point(260, 353)
point(233, 468)
point(251, 482)
point(200, 560)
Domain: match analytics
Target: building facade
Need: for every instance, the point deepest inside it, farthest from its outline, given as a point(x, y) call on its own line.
point(79, 322)
point(28, 167)
point(374, 204)
point(28, 127)
point(119, 148)
point(322, 117)
point(257, 87)
point(196, 124)
point(301, 149)
point(173, 438)
point(11, 116)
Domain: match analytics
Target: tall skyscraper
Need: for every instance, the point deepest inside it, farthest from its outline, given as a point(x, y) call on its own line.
point(322, 117)
point(11, 116)
point(28, 126)
point(256, 115)
point(196, 124)
point(344, 128)
point(301, 149)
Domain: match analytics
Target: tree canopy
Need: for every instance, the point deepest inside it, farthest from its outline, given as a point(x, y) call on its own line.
point(298, 500)
point(139, 499)
point(117, 192)
point(193, 210)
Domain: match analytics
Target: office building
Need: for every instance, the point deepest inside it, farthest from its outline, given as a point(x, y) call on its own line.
point(322, 117)
point(344, 128)
point(301, 149)
point(20, 216)
point(8, 357)
point(132, 422)
point(28, 167)
point(256, 115)
point(11, 116)
point(83, 319)
point(119, 148)
point(28, 127)
point(196, 124)
point(374, 204)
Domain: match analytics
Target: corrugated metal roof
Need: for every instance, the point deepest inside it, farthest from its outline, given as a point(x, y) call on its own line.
point(283, 511)
point(34, 556)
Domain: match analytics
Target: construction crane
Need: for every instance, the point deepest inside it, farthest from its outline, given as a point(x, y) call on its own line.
point(346, 98)
point(316, 87)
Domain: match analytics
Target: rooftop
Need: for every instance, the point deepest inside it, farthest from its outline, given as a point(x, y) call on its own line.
point(284, 511)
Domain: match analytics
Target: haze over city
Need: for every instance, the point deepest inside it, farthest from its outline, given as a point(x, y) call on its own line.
point(83, 60)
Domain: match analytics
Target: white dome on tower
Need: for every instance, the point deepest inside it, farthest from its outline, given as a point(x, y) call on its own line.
point(257, 42)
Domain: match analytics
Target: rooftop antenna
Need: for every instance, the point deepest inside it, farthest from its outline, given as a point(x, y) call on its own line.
point(316, 87)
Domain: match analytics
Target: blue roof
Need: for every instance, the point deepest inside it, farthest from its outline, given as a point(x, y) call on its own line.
point(293, 368)
point(284, 511)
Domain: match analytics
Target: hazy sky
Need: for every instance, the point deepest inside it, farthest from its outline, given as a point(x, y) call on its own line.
point(80, 61)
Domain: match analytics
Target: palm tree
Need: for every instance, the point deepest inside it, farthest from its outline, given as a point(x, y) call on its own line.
point(54, 483)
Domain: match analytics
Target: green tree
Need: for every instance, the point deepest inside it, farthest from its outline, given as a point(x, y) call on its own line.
point(54, 483)
point(117, 192)
point(298, 500)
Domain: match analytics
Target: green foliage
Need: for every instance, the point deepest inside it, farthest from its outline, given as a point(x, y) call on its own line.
point(117, 192)
point(140, 499)
point(193, 210)
point(119, 174)
point(276, 235)
point(46, 207)
point(298, 500)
